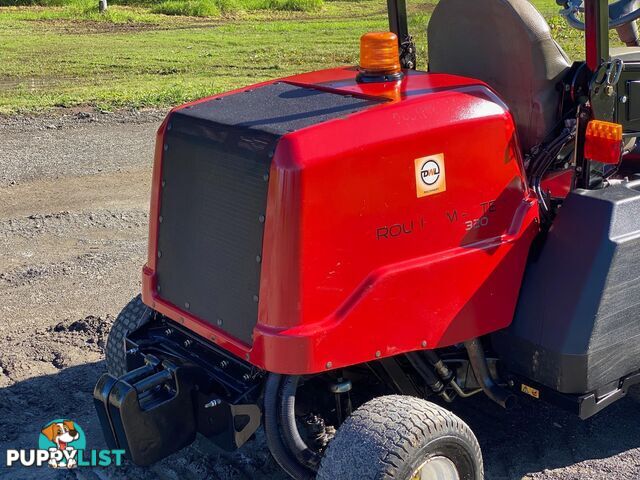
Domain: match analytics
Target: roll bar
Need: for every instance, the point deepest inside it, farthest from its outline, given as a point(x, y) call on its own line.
point(398, 24)
point(596, 19)
point(398, 18)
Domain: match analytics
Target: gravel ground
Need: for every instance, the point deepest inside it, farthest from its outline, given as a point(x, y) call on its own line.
point(73, 222)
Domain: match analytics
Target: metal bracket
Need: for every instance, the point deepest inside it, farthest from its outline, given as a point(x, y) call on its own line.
point(408, 53)
point(603, 88)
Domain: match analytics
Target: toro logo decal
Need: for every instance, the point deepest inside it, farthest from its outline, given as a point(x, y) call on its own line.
point(430, 175)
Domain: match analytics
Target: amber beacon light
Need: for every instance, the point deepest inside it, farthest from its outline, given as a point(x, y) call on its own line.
point(379, 57)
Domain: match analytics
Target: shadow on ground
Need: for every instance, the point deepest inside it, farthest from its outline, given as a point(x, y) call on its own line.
point(533, 437)
point(26, 406)
point(530, 438)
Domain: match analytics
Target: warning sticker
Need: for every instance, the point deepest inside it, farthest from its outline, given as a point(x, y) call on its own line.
point(535, 393)
point(430, 175)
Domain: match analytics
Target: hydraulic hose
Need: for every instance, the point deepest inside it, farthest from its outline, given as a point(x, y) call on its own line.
point(543, 161)
point(272, 431)
point(447, 375)
point(425, 372)
point(289, 427)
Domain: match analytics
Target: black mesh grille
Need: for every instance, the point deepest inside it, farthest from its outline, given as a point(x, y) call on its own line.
point(213, 202)
point(210, 237)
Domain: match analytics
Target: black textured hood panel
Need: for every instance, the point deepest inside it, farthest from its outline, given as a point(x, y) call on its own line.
point(277, 108)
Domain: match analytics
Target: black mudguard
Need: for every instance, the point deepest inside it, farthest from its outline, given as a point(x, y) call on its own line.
point(577, 325)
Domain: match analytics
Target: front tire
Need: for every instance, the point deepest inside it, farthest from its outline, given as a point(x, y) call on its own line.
point(402, 438)
point(131, 318)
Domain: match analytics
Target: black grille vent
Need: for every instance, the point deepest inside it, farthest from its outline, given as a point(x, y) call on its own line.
point(213, 203)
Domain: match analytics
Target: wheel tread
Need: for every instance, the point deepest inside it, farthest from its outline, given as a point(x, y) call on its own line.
point(133, 316)
point(379, 438)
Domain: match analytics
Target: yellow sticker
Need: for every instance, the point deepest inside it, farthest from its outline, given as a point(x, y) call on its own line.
point(430, 175)
point(530, 391)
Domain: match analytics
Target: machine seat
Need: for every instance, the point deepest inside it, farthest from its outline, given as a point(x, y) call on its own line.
point(508, 45)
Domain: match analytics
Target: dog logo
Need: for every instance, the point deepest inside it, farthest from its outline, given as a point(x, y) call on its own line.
point(63, 438)
point(62, 444)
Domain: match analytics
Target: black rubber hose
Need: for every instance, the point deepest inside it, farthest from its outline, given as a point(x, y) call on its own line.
point(425, 372)
point(272, 432)
point(478, 362)
point(289, 427)
point(441, 369)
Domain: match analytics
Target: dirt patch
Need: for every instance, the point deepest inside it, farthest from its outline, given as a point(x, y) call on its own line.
point(92, 329)
point(47, 350)
point(421, 8)
point(77, 117)
point(93, 27)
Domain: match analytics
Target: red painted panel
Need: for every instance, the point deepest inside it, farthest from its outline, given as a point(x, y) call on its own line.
point(357, 265)
point(559, 183)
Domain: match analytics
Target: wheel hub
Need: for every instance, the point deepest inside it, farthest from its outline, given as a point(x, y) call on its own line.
point(436, 468)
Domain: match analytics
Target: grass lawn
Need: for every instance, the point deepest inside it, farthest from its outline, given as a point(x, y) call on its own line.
point(68, 56)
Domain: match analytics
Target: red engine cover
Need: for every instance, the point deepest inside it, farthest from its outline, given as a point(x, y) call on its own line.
point(401, 227)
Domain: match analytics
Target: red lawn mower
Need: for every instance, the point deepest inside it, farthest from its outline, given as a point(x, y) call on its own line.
point(331, 252)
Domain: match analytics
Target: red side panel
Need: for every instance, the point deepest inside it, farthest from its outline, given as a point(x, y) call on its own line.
point(558, 184)
point(358, 262)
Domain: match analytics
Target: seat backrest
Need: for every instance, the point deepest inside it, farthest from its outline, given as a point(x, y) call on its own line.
point(508, 45)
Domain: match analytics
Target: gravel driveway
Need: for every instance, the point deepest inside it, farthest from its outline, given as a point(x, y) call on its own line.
point(73, 222)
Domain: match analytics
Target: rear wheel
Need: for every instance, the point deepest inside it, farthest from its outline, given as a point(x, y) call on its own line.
point(402, 438)
point(132, 317)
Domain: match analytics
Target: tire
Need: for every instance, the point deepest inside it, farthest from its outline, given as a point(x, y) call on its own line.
point(395, 437)
point(132, 317)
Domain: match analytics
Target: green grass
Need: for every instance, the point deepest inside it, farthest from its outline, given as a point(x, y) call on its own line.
point(212, 8)
point(82, 9)
point(135, 57)
point(190, 8)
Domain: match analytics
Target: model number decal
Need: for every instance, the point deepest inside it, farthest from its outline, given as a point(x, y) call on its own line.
point(482, 221)
point(476, 222)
